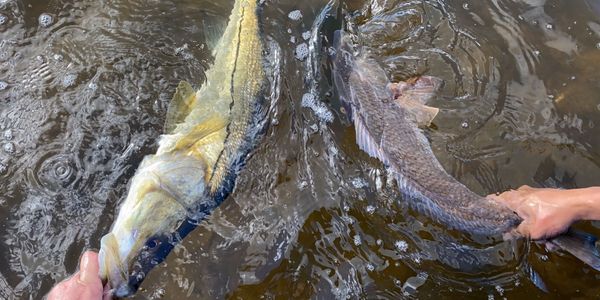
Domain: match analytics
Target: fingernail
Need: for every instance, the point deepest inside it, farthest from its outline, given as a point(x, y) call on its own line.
point(83, 268)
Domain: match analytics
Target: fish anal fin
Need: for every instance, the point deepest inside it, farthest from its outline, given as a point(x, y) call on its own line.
point(180, 106)
point(423, 114)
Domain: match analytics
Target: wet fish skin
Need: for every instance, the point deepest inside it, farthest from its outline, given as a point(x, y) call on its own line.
point(389, 130)
point(210, 133)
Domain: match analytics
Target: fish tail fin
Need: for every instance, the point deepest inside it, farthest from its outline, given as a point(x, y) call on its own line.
point(580, 244)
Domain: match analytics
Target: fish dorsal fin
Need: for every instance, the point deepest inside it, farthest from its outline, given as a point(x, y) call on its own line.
point(423, 114)
point(180, 106)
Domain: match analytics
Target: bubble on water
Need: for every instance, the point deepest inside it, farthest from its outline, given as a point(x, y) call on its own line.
point(58, 57)
point(302, 51)
point(295, 15)
point(3, 85)
point(306, 35)
point(293, 39)
point(320, 110)
point(370, 267)
point(598, 107)
point(8, 135)
point(464, 125)
point(401, 246)
point(3, 19)
point(573, 77)
point(9, 148)
point(69, 80)
point(598, 45)
point(544, 257)
point(45, 20)
point(370, 209)
point(536, 52)
point(465, 6)
point(549, 26)
point(398, 283)
point(357, 240)
point(379, 242)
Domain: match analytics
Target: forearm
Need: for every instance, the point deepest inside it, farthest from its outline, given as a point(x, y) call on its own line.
point(587, 201)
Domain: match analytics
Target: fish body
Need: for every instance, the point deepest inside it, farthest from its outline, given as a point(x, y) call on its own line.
point(388, 127)
point(209, 133)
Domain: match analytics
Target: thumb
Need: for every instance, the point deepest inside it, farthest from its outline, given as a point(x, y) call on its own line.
point(88, 268)
point(524, 229)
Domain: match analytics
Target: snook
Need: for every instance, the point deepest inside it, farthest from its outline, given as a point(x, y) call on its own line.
point(208, 135)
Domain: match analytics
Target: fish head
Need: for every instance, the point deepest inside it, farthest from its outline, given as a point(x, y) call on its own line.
point(153, 219)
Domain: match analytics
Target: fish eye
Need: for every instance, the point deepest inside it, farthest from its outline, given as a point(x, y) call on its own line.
point(152, 243)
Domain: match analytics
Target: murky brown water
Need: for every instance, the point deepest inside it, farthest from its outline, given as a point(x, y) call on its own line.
point(83, 99)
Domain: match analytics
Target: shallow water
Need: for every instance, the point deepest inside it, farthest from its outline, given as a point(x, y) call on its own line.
point(83, 95)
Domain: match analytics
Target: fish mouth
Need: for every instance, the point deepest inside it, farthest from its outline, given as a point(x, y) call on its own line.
point(124, 276)
point(113, 267)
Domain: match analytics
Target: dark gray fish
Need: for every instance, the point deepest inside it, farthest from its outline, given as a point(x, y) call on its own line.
point(387, 120)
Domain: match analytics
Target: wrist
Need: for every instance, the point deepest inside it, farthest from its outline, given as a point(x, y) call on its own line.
point(587, 203)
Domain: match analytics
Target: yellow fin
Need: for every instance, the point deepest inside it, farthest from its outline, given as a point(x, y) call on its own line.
point(180, 106)
point(423, 114)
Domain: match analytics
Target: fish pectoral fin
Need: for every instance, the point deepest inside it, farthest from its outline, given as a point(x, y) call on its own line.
point(423, 114)
point(201, 131)
point(180, 106)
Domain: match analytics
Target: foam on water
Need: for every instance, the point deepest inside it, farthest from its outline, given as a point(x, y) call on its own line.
point(302, 51)
point(295, 15)
point(320, 110)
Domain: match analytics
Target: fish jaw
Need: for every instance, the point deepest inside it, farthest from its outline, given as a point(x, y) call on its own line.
point(164, 193)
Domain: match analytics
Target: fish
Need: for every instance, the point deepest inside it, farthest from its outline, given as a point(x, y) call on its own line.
point(209, 134)
point(389, 120)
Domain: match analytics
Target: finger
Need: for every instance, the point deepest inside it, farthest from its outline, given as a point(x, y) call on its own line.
point(88, 268)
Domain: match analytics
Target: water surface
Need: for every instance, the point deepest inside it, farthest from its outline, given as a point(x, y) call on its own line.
point(84, 87)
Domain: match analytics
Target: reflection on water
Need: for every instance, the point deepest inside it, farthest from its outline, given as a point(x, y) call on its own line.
point(84, 87)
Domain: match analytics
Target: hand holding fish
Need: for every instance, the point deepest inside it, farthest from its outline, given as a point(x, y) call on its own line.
point(549, 212)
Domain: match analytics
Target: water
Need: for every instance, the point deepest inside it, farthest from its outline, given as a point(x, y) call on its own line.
point(85, 94)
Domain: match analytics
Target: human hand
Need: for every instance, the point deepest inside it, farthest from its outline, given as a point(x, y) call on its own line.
point(546, 212)
point(83, 285)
